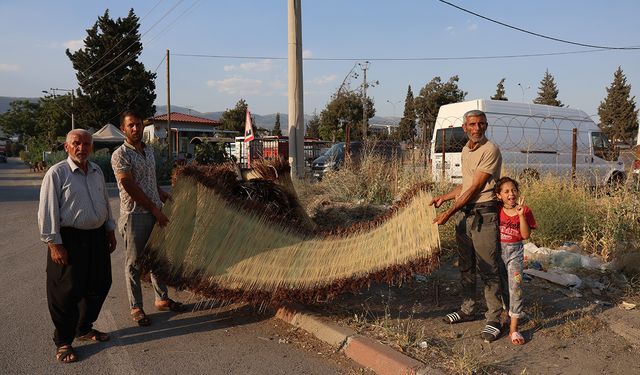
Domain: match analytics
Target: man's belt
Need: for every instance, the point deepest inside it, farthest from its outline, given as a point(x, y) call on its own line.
point(477, 210)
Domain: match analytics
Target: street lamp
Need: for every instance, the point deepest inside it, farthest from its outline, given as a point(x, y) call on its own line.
point(522, 88)
point(73, 120)
point(394, 106)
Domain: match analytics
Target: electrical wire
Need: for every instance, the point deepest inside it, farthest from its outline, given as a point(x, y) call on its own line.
point(121, 39)
point(534, 33)
point(446, 58)
point(126, 49)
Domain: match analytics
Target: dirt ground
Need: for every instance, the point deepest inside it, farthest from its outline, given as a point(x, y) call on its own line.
point(567, 331)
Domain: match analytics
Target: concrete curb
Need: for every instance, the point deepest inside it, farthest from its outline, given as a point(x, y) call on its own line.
point(367, 352)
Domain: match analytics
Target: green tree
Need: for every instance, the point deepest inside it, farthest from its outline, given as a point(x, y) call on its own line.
point(344, 112)
point(548, 92)
point(110, 77)
point(618, 113)
point(500, 93)
point(313, 127)
point(276, 127)
point(54, 117)
point(407, 127)
point(234, 119)
point(432, 96)
point(21, 119)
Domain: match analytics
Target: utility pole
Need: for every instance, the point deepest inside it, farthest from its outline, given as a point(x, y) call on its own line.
point(364, 66)
point(296, 113)
point(169, 149)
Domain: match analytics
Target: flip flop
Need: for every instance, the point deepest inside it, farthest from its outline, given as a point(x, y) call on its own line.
point(141, 318)
point(171, 306)
point(458, 317)
point(94, 335)
point(491, 331)
point(66, 354)
point(516, 338)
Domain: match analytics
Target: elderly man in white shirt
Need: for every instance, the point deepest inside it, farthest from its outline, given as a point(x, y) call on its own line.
point(76, 223)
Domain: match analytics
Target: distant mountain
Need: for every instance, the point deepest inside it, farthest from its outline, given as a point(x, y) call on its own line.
point(264, 121)
point(6, 100)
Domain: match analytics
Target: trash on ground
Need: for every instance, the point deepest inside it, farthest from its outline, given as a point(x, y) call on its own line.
point(627, 306)
point(557, 277)
point(565, 259)
point(423, 345)
point(421, 278)
point(603, 303)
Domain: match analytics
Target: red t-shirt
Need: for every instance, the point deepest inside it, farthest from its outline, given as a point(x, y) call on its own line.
point(510, 225)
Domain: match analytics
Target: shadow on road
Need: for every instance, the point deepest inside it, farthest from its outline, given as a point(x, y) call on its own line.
point(166, 324)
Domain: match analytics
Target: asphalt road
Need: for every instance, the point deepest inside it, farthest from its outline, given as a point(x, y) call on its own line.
point(227, 340)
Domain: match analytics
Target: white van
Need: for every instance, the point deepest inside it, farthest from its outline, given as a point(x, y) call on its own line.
point(534, 139)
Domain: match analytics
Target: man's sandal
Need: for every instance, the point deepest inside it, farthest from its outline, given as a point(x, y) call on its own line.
point(171, 305)
point(516, 338)
point(94, 335)
point(458, 317)
point(66, 354)
point(141, 318)
point(491, 331)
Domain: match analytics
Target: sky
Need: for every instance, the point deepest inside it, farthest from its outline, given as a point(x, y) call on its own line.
point(35, 35)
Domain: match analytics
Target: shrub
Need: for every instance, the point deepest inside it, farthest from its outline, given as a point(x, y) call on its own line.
point(211, 153)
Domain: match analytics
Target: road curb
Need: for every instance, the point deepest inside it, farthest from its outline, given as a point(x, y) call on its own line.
point(367, 352)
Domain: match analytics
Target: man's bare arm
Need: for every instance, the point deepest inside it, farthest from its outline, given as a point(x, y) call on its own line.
point(132, 188)
point(479, 180)
point(438, 201)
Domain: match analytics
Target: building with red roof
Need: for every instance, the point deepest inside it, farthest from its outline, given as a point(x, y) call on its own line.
point(184, 128)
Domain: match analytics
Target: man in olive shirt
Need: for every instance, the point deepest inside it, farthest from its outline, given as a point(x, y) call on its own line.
point(76, 223)
point(477, 223)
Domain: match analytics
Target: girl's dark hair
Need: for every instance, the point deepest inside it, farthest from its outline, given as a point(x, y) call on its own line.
point(503, 181)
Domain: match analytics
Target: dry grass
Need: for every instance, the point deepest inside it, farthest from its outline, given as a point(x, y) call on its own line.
point(580, 324)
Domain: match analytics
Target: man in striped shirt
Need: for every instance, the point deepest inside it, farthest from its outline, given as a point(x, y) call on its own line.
point(76, 223)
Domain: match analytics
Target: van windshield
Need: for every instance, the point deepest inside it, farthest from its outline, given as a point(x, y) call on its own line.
point(454, 138)
point(603, 148)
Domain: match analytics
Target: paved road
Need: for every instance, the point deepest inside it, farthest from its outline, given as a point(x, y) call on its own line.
point(203, 341)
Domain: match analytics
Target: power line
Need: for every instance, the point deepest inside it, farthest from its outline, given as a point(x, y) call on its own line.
point(123, 37)
point(534, 33)
point(445, 58)
point(126, 49)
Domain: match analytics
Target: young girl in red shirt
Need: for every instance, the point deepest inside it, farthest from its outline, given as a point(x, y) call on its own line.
point(516, 223)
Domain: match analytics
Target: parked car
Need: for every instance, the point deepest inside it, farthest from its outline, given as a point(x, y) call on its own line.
point(333, 158)
point(3, 159)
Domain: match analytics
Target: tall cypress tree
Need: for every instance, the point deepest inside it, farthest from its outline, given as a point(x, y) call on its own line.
point(110, 77)
point(407, 128)
point(548, 92)
point(500, 93)
point(276, 127)
point(618, 113)
point(313, 127)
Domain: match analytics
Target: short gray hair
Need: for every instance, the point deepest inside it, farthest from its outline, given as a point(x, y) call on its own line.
point(79, 132)
point(473, 113)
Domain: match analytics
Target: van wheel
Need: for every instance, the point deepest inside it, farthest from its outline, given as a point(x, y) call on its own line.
point(616, 180)
point(528, 175)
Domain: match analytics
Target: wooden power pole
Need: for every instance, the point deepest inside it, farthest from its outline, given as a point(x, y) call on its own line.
point(169, 149)
point(296, 112)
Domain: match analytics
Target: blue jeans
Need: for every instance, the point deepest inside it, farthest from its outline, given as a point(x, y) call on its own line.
point(513, 258)
point(136, 229)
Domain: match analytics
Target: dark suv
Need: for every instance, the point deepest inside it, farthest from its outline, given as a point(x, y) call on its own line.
point(333, 158)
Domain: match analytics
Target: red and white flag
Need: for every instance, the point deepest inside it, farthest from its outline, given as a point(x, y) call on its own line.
point(248, 129)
